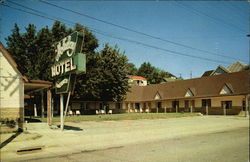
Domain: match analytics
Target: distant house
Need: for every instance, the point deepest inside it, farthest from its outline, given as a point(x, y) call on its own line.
point(171, 79)
point(137, 80)
point(235, 67)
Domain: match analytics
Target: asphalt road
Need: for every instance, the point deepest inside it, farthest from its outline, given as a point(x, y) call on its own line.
point(225, 146)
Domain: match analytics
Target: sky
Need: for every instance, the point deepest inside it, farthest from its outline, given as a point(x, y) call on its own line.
point(181, 37)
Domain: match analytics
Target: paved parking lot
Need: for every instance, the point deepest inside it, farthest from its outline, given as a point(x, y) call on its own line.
point(122, 136)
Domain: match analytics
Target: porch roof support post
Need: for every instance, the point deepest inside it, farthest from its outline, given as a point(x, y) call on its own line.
point(247, 106)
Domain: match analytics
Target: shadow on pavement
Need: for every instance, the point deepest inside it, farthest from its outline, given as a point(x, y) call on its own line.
point(30, 120)
point(67, 127)
point(9, 139)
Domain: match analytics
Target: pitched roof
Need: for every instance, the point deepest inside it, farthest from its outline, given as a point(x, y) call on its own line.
point(207, 73)
point(28, 84)
point(219, 68)
point(237, 66)
point(201, 87)
point(9, 58)
point(136, 77)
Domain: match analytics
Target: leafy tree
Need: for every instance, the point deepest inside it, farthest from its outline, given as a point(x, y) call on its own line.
point(131, 69)
point(147, 70)
point(153, 74)
point(45, 57)
point(114, 82)
point(16, 47)
point(106, 80)
point(59, 31)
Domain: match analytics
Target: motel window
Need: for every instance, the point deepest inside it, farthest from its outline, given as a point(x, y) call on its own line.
point(243, 105)
point(137, 105)
point(100, 106)
point(159, 105)
point(226, 104)
point(186, 104)
point(118, 105)
point(175, 104)
point(192, 103)
point(86, 106)
point(206, 102)
point(82, 106)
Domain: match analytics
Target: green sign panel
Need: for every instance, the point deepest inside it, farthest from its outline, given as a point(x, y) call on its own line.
point(69, 61)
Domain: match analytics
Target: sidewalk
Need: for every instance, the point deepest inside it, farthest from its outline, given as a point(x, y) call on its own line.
point(84, 136)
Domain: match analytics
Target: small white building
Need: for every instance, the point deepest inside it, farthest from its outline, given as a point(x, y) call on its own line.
point(11, 88)
point(137, 80)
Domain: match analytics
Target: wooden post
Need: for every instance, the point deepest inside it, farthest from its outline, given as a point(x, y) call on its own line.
point(224, 110)
point(52, 108)
point(42, 104)
point(49, 107)
point(176, 108)
point(35, 110)
point(191, 108)
point(128, 107)
point(61, 111)
point(165, 109)
point(247, 106)
point(206, 109)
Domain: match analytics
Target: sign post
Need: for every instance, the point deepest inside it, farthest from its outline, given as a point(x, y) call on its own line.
point(69, 62)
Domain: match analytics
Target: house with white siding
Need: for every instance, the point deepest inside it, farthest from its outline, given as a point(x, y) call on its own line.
point(13, 86)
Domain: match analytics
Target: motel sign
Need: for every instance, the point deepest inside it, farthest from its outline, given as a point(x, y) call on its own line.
point(68, 61)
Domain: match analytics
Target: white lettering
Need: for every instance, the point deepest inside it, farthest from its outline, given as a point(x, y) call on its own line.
point(65, 45)
point(63, 67)
point(60, 84)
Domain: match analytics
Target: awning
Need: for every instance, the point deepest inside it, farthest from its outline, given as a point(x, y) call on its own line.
point(36, 85)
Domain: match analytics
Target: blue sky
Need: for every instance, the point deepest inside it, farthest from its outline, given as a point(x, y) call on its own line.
point(219, 27)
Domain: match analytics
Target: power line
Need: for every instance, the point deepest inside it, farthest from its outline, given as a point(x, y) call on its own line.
point(238, 9)
point(198, 12)
point(138, 32)
point(128, 40)
point(43, 13)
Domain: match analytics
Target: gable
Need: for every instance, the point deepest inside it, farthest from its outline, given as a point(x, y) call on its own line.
point(225, 90)
point(157, 96)
point(7, 69)
point(219, 70)
point(7, 62)
point(189, 93)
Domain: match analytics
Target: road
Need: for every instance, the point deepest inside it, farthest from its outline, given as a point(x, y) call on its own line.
point(221, 146)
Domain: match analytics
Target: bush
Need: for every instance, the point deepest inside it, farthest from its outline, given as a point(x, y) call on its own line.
point(10, 123)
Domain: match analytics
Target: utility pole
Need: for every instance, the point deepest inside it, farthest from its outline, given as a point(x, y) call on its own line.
point(247, 96)
point(191, 75)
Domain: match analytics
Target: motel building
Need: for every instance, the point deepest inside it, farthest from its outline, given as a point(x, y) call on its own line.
point(224, 94)
point(15, 89)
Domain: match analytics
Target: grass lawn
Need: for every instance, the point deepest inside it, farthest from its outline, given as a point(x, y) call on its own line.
point(125, 116)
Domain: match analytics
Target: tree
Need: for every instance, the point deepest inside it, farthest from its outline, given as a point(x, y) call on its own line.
point(16, 47)
point(153, 74)
point(106, 80)
point(45, 54)
point(147, 70)
point(114, 82)
point(59, 31)
point(131, 69)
